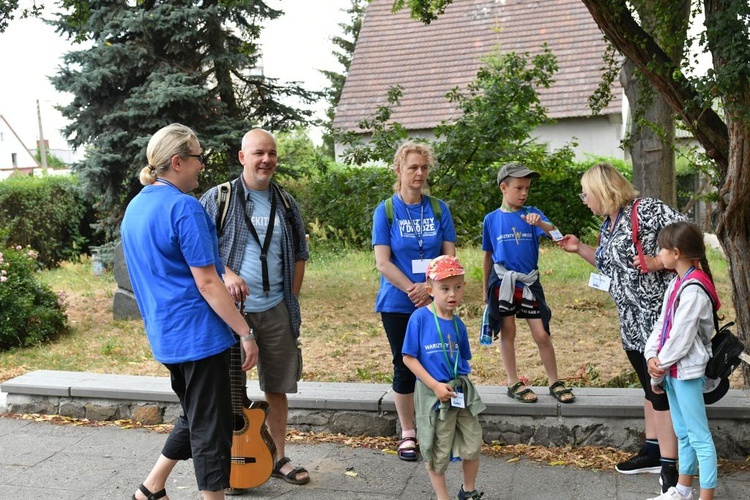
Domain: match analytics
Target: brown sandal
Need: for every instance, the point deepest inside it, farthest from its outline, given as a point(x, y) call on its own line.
point(407, 449)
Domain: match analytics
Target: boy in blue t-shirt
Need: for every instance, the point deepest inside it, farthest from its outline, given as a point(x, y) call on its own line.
point(436, 349)
point(510, 241)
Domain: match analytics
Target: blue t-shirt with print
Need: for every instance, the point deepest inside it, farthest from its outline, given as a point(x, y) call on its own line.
point(251, 269)
point(514, 243)
point(411, 224)
point(438, 358)
point(164, 233)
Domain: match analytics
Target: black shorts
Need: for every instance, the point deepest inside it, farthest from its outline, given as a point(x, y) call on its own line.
point(521, 308)
point(659, 401)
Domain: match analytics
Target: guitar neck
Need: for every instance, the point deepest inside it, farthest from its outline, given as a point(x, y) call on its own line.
point(237, 379)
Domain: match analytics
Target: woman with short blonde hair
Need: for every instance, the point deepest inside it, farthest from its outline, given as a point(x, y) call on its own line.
point(636, 280)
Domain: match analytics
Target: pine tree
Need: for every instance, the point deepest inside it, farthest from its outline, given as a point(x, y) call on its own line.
point(153, 63)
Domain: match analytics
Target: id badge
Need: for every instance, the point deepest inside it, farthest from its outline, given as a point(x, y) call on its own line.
point(419, 266)
point(458, 401)
point(556, 234)
point(599, 281)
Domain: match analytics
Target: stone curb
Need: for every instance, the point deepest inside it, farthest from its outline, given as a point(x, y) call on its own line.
point(599, 417)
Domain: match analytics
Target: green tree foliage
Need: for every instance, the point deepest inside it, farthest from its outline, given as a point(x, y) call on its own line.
point(9, 10)
point(423, 10)
point(153, 63)
point(346, 43)
point(338, 204)
point(30, 312)
point(298, 156)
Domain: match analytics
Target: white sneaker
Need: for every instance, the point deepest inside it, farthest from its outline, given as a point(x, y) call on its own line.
point(673, 494)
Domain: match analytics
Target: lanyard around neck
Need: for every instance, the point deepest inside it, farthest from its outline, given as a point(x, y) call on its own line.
point(269, 232)
point(168, 183)
point(416, 226)
point(607, 228)
point(442, 342)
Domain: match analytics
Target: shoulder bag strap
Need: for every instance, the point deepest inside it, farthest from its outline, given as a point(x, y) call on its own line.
point(634, 236)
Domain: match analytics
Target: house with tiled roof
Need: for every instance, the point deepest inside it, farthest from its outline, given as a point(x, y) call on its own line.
point(430, 60)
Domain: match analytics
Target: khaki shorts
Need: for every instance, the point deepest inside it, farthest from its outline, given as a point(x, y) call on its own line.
point(279, 357)
point(460, 433)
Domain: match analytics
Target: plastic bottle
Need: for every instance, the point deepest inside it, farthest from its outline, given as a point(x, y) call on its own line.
point(485, 337)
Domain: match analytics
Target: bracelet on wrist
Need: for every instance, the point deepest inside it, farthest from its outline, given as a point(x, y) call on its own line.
point(250, 336)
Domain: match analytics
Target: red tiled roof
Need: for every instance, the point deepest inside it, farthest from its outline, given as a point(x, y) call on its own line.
point(430, 60)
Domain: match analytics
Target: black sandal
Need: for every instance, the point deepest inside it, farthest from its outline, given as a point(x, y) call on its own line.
point(291, 476)
point(514, 393)
point(151, 496)
point(559, 390)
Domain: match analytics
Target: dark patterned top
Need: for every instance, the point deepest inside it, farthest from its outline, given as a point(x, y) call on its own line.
point(638, 296)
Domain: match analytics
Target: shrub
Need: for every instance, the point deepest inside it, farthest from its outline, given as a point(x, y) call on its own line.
point(49, 214)
point(30, 312)
point(338, 205)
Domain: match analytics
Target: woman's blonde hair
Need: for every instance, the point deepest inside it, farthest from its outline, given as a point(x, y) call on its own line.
point(609, 186)
point(403, 151)
point(174, 139)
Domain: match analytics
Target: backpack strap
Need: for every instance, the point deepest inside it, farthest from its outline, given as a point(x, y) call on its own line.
point(288, 212)
point(634, 236)
point(389, 210)
point(713, 304)
point(437, 210)
point(223, 196)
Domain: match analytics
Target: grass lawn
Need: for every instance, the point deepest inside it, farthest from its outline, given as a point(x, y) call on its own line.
point(343, 339)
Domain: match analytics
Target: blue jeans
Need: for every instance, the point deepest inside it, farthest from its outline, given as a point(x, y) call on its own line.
point(694, 442)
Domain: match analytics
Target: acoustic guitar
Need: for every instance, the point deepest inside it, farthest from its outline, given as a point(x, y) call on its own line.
point(253, 449)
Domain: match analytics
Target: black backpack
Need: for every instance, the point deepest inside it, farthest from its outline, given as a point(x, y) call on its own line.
point(725, 346)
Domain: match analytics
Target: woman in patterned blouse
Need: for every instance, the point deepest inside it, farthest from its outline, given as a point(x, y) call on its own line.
point(638, 291)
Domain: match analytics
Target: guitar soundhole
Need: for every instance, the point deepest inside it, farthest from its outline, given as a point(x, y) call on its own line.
point(240, 423)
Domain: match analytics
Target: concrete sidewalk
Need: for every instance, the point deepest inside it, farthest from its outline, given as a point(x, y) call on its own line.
point(40, 460)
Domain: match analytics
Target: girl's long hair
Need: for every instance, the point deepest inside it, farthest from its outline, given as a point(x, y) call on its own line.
point(687, 237)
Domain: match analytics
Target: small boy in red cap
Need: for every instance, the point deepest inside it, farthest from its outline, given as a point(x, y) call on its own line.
point(436, 349)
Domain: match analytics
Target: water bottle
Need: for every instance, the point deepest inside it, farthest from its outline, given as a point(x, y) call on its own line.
point(485, 336)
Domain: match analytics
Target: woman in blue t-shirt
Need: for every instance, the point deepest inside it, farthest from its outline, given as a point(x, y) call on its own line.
point(408, 230)
point(172, 256)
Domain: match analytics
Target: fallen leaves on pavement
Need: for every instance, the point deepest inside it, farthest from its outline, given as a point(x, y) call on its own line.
point(581, 457)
